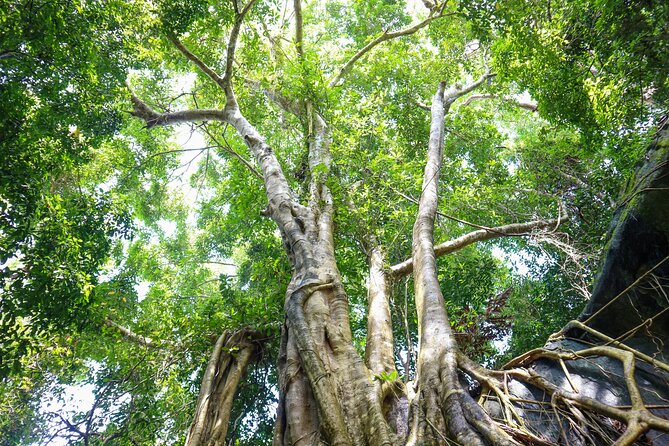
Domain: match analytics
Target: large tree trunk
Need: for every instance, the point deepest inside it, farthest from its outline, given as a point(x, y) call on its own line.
point(441, 407)
point(614, 389)
point(331, 395)
point(317, 338)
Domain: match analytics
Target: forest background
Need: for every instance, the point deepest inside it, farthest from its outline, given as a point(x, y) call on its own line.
point(127, 257)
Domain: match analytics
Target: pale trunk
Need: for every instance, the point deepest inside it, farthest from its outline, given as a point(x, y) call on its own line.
point(328, 393)
point(232, 353)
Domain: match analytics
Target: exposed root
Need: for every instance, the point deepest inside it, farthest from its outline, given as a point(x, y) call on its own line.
point(580, 418)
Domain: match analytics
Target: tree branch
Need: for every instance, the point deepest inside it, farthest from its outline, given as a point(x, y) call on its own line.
point(441, 214)
point(142, 340)
point(379, 355)
point(153, 118)
point(230, 54)
point(228, 149)
point(456, 91)
point(582, 184)
point(466, 422)
point(531, 106)
point(296, 108)
point(385, 36)
point(515, 229)
point(283, 207)
point(220, 81)
point(224, 82)
point(8, 54)
point(299, 29)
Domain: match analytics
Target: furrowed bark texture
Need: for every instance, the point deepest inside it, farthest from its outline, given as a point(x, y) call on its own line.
point(348, 408)
point(317, 320)
point(327, 392)
point(232, 353)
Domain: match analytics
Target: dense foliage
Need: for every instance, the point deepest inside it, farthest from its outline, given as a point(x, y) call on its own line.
point(162, 232)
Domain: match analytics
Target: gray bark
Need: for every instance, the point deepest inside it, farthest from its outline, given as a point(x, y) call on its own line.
point(232, 354)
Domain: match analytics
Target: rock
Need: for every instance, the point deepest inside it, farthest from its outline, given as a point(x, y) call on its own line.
point(630, 302)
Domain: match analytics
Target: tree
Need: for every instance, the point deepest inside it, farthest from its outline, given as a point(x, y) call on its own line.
point(336, 140)
point(55, 231)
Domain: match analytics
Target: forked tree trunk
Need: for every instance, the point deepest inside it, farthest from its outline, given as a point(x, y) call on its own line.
point(232, 354)
point(548, 396)
point(331, 395)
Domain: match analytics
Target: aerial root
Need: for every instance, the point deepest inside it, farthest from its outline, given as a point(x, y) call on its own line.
point(483, 423)
point(455, 418)
point(590, 420)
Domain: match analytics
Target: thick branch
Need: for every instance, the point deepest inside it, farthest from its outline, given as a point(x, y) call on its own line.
point(227, 365)
point(221, 82)
point(514, 229)
point(283, 206)
point(457, 91)
point(436, 367)
point(445, 405)
point(294, 107)
point(230, 54)
point(153, 118)
point(282, 203)
point(531, 106)
point(142, 340)
point(299, 29)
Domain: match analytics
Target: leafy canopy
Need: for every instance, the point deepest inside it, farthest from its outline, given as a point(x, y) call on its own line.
point(105, 223)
